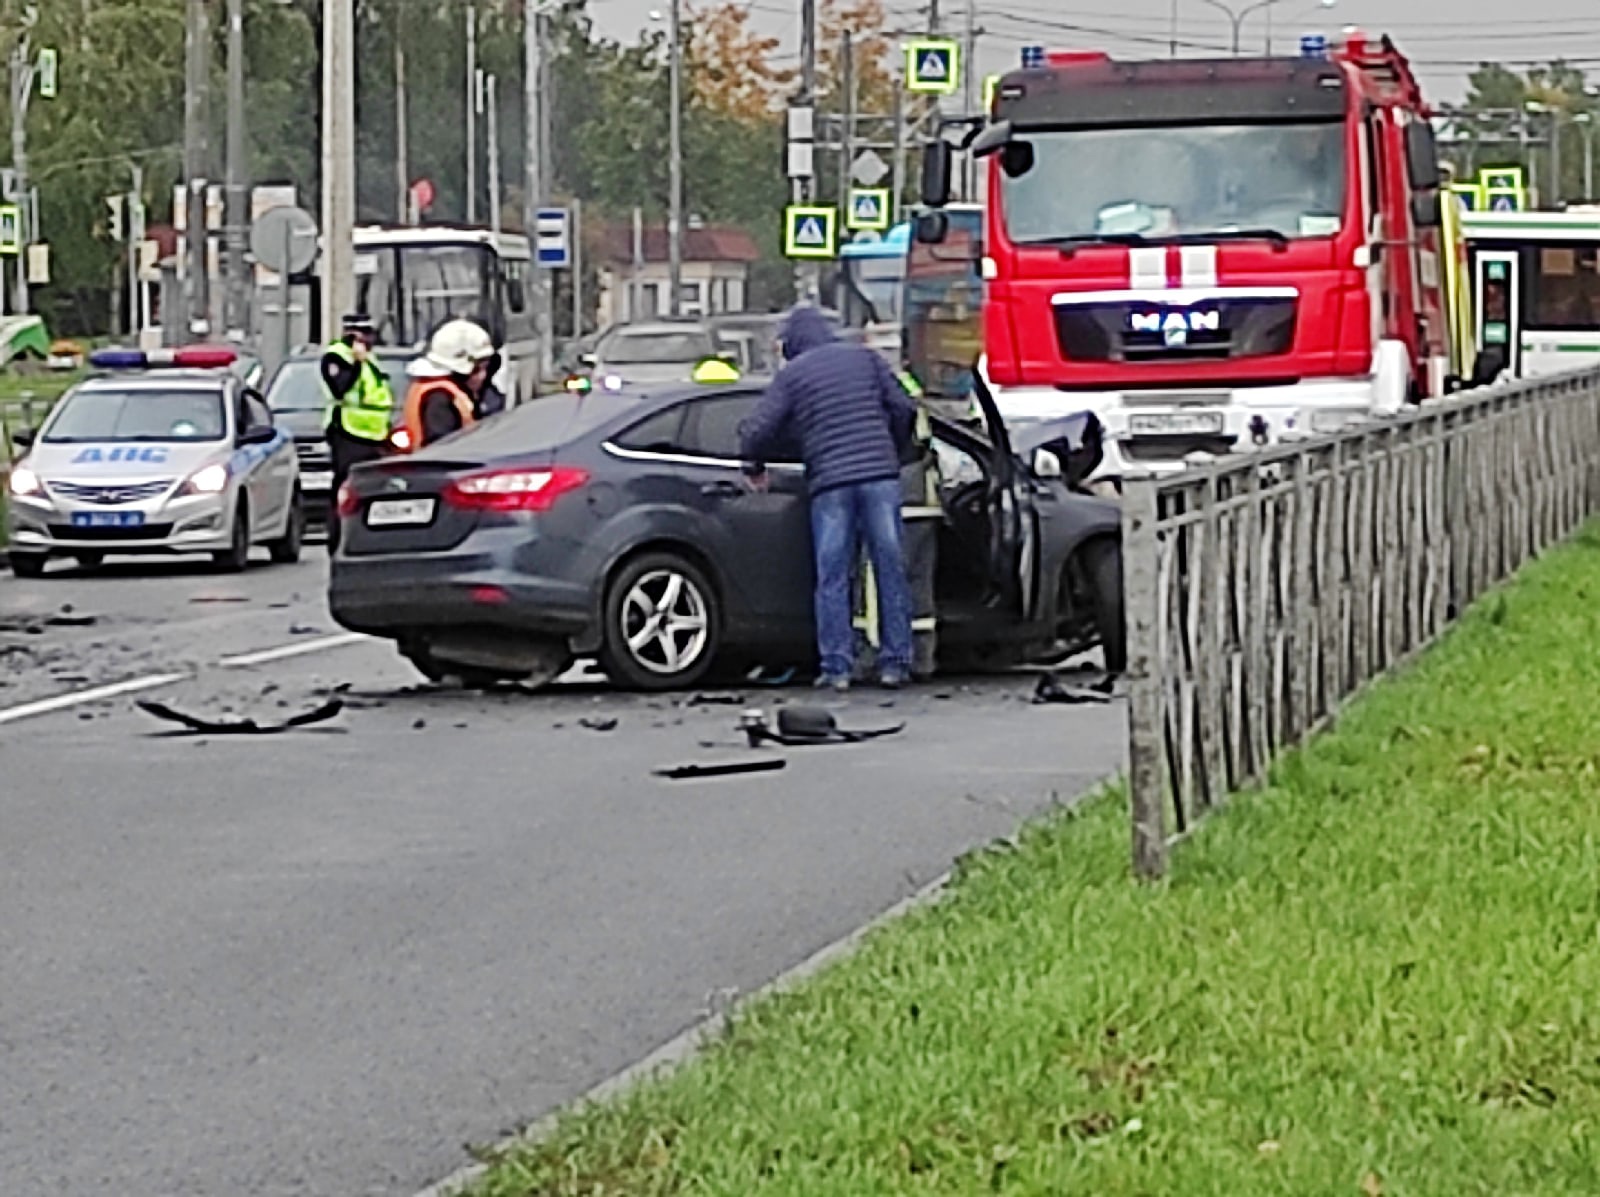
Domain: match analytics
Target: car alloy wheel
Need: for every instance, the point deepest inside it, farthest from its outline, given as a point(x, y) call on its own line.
point(661, 624)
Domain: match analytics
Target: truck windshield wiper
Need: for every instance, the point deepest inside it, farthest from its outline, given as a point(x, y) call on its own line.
point(1278, 240)
point(1069, 245)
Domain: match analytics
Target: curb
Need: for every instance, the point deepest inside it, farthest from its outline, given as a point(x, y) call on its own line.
point(683, 1047)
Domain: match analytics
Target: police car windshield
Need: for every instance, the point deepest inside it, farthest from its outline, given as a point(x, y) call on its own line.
point(103, 414)
point(297, 386)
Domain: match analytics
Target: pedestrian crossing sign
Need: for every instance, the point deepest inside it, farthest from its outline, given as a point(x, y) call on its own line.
point(810, 232)
point(869, 208)
point(10, 230)
point(933, 66)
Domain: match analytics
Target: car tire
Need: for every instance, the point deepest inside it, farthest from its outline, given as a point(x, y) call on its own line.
point(28, 565)
point(286, 549)
point(639, 650)
point(236, 557)
point(1102, 567)
point(90, 560)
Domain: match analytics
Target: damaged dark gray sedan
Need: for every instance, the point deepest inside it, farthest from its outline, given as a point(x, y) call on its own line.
point(616, 526)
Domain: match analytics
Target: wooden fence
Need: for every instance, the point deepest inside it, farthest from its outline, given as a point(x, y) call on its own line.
point(1264, 589)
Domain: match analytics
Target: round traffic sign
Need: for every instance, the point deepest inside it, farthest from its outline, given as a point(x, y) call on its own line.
point(284, 239)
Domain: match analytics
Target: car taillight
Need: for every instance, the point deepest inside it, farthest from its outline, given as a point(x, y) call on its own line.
point(514, 490)
point(347, 504)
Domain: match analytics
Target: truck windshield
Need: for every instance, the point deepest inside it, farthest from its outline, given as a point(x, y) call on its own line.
point(1191, 181)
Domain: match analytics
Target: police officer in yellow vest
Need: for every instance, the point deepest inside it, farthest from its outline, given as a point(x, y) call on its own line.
point(922, 515)
point(358, 403)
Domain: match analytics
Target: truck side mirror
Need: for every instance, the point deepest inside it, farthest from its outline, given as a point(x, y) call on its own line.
point(1422, 157)
point(932, 227)
point(938, 159)
point(1427, 210)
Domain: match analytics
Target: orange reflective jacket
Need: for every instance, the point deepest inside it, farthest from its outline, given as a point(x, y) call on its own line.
point(421, 388)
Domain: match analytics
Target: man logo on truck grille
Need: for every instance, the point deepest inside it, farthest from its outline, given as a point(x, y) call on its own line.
point(1174, 326)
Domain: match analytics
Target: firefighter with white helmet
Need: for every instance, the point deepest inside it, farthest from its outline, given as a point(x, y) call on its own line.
point(447, 382)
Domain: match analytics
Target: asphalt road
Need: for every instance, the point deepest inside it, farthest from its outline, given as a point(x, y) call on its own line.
point(320, 963)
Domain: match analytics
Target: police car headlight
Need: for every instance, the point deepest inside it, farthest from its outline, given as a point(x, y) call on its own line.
point(25, 482)
point(207, 481)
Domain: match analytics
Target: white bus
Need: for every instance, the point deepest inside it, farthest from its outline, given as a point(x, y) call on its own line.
point(410, 280)
point(1536, 288)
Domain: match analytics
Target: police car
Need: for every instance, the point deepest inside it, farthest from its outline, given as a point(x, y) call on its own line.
point(166, 452)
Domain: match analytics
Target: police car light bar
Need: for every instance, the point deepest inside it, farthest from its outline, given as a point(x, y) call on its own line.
point(195, 357)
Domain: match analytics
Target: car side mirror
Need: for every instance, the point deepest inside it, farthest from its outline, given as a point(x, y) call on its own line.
point(260, 434)
point(932, 227)
point(938, 161)
point(1427, 210)
point(23, 438)
point(1422, 156)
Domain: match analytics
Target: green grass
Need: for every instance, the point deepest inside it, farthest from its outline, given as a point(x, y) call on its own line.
point(1379, 975)
point(44, 386)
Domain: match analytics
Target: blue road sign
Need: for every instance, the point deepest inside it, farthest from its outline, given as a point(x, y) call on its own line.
point(552, 240)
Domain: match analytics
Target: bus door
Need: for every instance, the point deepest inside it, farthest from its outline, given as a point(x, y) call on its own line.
point(1497, 301)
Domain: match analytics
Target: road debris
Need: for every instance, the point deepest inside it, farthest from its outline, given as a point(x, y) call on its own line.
point(722, 769)
point(240, 726)
point(715, 700)
point(800, 727)
point(220, 598)
point(1051, 690)
point(599, 725)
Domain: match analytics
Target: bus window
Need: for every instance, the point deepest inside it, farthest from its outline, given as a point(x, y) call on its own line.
point(446, 282)
point(1564, 290)
point(377, 295)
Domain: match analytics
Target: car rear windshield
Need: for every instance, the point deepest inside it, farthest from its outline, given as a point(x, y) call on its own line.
point(106, 414)
point(548, 422)
point(643, 349)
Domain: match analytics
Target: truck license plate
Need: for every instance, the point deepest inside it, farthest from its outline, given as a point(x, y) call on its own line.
point(107, 519)
point(392, 513)
point(1175, 423)
point(317, 480)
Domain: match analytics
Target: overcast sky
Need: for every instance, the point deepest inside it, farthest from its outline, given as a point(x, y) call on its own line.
point(1444, 38)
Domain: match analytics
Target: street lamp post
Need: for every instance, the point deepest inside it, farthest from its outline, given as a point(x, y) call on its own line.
point(1586, 120)
point(1236, 17)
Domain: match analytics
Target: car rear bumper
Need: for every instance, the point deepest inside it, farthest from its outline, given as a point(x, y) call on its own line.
point(397, 596)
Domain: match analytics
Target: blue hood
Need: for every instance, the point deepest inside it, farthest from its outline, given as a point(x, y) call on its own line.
point(805, 329)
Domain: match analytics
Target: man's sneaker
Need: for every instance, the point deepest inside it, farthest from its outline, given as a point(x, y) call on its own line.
point(894, 679)
point(838, 683)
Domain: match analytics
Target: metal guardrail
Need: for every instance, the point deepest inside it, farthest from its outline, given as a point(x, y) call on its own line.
point(1263, 590)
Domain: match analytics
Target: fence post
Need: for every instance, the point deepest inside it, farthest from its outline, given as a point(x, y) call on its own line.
point(1141, 548)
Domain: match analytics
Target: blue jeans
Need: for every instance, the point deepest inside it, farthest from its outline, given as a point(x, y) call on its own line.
point(841, 520)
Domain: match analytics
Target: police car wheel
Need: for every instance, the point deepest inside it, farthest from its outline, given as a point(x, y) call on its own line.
point(236, 556)
point(28, 565)
point(662, 624)
point(286, 549)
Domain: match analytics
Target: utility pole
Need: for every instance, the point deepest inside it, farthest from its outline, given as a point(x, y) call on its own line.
point(675, 165)
point(402, 165)
point(806, 189)
point(135, 231)
point(577, 268)
point(338, 164)
point(196, 161)
point(847, 116)
point(21, 92)
point(472, 112)
point(237, 196)
point(534, 132)
point(969, 94)
point(491, 89)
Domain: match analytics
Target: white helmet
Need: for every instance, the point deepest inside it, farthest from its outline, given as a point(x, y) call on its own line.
point(458, 346)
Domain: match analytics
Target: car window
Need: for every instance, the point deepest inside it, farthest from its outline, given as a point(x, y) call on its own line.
point(957, 466)
point(297, 386)
point(655, 434)
point(712, 429)
point(108, 414)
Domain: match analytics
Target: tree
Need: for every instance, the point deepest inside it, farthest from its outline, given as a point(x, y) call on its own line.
point(732, 70)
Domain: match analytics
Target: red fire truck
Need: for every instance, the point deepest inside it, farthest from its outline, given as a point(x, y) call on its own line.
point(1213, 254)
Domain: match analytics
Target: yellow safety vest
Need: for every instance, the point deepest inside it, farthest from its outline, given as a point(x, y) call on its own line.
point(909, 381)
point(364, 410)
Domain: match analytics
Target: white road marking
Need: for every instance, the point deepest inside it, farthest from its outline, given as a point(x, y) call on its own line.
point(291, 650)
point(78, 697)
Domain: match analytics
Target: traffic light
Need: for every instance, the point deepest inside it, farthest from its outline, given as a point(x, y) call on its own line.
point(114, 202)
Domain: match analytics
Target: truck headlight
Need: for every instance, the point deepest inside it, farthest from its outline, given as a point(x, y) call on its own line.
point(1338, 419)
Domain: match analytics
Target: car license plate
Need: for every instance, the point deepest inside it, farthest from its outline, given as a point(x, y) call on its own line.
point(393, 513)
point(1175, 423)
point(107, 519)
point(319, 480)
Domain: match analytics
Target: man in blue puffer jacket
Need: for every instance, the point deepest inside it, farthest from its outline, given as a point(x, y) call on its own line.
point(852, 420)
